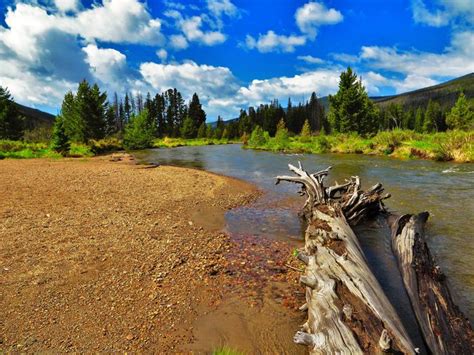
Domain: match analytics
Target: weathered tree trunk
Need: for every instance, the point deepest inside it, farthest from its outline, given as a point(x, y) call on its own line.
point(348, 312)
point(444, 327)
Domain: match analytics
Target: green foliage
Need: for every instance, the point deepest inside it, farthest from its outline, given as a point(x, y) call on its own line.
point(281, 136)
point(11, 123)
point(139, 133)
point(434, 119)
point(196, 113)
point(305, 133)
point(461, 115)
point(202, 131)
point(188, 130)
point(40, 134)
point(257, 138)
point(351, 110)
point(106, 145)
point(225, 350)
point(60, 141)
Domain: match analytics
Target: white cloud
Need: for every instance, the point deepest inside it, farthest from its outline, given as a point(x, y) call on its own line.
point(222, 7)
point(191, 28)
point(413, 82)
point(107, 65)
point(162, 54)
point(447, 12)
point(312, 15)
point(189, 77)
point(310, 59)
point(271, 42)
point(308, 18)
point(66, 5)
point(456, 60)
point(178, 42)
point(323, 82)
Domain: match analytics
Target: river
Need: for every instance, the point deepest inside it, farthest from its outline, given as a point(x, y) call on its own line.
point(446, 190)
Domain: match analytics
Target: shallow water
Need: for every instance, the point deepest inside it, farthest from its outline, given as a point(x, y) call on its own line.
point(446, 190)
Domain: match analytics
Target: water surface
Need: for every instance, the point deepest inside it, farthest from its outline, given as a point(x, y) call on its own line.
point(446, 190)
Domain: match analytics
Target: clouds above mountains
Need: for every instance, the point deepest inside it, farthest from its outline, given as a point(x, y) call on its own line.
point(47, 46)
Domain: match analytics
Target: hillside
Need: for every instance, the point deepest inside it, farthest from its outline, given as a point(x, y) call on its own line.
point(34, 117)
point(445, 93)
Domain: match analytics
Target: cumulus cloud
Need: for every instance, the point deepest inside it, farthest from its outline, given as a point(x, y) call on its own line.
point(191, 28)
point(312, 15)
point(66, 5)
point(271, 42)
point(310, 59)
point(218, 8)
point(308, 18)
point(444, 14)
point(456, 60)
point(192, 31)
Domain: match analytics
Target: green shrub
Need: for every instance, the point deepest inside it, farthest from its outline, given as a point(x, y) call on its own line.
point(105, 145)
point(139, 133)
point(258, 138)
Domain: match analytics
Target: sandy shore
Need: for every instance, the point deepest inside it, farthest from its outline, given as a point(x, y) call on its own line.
point(102, 255)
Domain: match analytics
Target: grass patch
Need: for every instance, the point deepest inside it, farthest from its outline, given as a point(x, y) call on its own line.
point(443, 146)
point(226, 350)
point(181, 142)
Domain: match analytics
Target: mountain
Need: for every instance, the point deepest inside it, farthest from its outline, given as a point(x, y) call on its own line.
point(34, 117)
point(446, 94)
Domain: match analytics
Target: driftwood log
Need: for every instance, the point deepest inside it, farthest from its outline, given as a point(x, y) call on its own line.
point(348, 312)
point(445, 329)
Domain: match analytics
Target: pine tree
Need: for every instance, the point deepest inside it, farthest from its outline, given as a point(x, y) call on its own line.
point(188, 130)
point(60, 141)
point(305, 132)
point(202, 131)
point(433, 116)
point(11, 123)
point(127, 108)
point(73, 122)
point(419, 119)
point(196, 112)
point(351, 109)
point(461, 115)
point(138, 132)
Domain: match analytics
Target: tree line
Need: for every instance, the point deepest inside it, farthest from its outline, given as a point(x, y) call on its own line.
point(351, 110)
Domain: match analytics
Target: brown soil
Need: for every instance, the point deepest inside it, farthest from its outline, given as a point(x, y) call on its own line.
point(103, 255)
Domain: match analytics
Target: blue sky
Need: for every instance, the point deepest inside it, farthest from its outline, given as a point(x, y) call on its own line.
point(232, 53)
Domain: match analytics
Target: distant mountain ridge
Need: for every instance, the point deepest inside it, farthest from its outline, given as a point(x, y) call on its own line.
point(35, 117)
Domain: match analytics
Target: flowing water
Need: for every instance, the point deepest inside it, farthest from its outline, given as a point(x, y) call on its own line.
point(446, 190)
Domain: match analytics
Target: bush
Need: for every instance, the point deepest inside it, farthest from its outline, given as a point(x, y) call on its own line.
point(60, 141)
point(258, 137)
point(105, 145)
point(139, 133)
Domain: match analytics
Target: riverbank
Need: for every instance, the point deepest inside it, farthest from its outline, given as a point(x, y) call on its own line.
point(102, 254)
point(26, 150)
point(457, 146)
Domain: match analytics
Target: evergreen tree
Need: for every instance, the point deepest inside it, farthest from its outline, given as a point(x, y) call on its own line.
point(202, 131)
point(419, 119)
point(220, 125)
point(188, 130)
point(257, 138)
point(281, 135)
point(351, 109)
point(196, 112)
point(60, 141)
point(433, 117)
point(127, 108)
point(139, 134)
point(72, 121)
point(305, 132)
point(461, 115)
point(11, 123)
point(111, 123)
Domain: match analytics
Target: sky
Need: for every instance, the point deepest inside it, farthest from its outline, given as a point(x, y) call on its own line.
point(232, 53)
